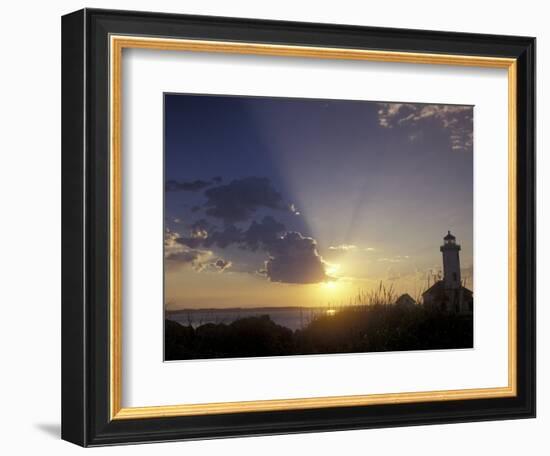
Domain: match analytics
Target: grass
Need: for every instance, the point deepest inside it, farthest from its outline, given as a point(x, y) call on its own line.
point(369, 323)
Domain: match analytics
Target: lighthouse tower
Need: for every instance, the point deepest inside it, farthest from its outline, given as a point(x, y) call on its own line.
point(449, 295)
point(451, 262)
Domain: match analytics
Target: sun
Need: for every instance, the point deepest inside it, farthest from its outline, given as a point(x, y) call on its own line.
point(332, 268)
point(330, 285)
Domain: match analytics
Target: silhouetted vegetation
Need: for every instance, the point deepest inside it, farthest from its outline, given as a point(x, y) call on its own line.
point(358, 328)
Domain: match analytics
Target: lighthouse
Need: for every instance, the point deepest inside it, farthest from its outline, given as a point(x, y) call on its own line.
point(449, 295)
point(451, 262)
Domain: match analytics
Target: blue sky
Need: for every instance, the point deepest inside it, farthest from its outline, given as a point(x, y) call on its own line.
point(278, 201)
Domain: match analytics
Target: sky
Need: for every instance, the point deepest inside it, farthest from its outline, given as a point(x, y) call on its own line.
point(305, 202)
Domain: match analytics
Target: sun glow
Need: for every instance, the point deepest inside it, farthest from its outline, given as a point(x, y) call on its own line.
point(331, 285)
point(332, 268)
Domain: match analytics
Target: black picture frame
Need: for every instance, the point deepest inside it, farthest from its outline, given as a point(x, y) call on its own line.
point(85, 223)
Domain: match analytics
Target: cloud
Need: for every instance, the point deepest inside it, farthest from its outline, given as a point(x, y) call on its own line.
point(238, 200)
point(294, 259)
point(199, 229)
point(177, 254)
point(190, 242)
point(197, 259)
point(394, 259)
point(386, 112)
point(221, 265)
point(292, 208)
point(193, 186)
point(343, 247)
point(228, 236)
point(171, 245)
point(259, 235)
point(197, 237)
point(458, 120)
point(262, 234)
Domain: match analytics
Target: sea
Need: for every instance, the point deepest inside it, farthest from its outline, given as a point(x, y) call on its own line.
point(290, 317)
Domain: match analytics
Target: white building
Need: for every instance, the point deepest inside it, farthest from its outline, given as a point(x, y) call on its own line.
point(449, 294)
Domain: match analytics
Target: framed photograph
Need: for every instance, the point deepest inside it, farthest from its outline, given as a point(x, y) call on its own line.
point(276, 227)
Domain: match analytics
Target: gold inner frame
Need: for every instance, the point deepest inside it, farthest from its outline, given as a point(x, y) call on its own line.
point(117, 44)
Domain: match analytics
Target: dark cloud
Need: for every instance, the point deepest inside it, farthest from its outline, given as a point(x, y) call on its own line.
point(195, 258)
point(457, 120)
point(238, 200)
point(197, 236)
point(221, 265)
point(294, 259)
point(199, 260)
point(224, 238)
point(217, 179)
point(292, 208)
point(199, 229)
point(263, 234)
point(203, 238)
point(193, 186)
point(186, 256)
point(178, 253)
point(191, 242)
point(259, 235)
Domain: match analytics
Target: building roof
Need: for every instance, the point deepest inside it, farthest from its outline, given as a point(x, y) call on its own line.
point(404, 299)
point(436, 288)
point(439, 288)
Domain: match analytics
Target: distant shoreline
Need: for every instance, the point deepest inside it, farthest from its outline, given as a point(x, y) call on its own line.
point(271, 308)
